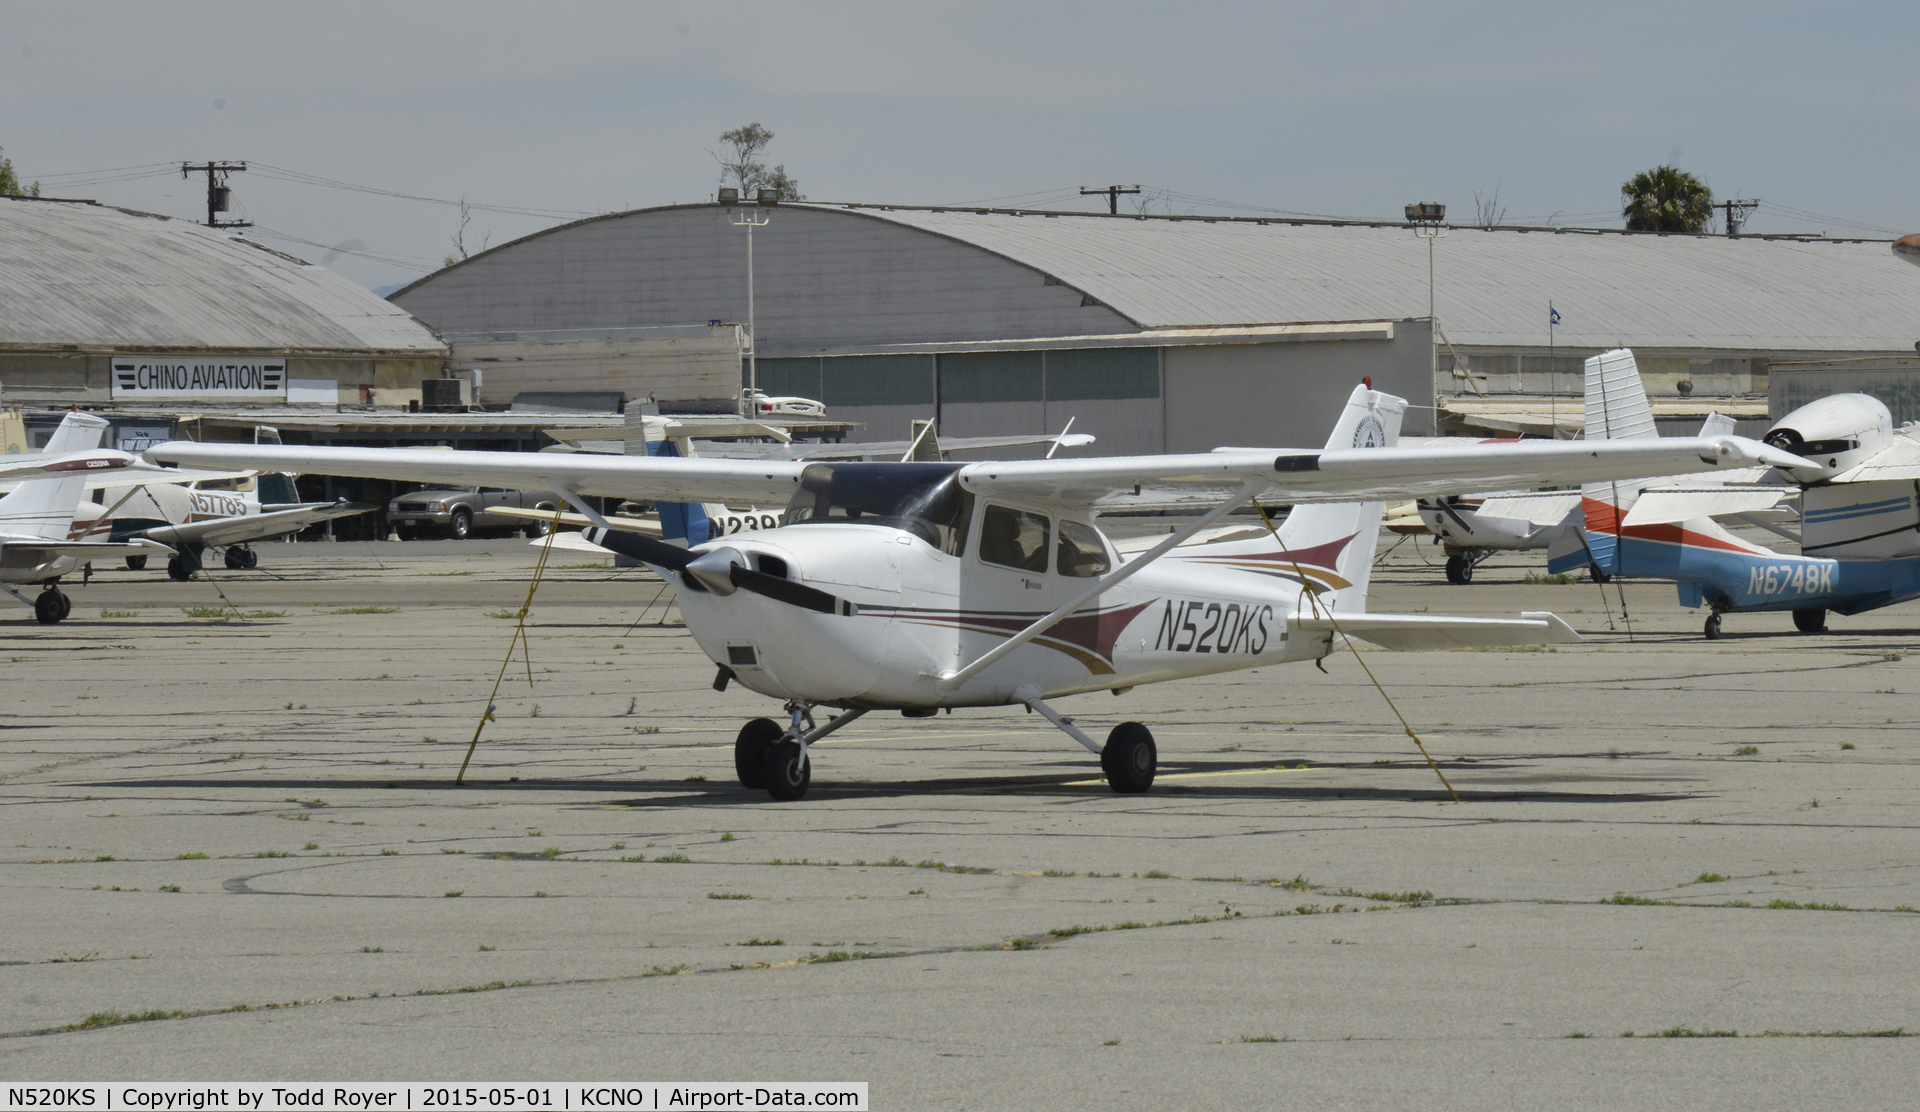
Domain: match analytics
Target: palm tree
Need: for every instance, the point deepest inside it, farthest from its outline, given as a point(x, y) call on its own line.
point(1666, 199)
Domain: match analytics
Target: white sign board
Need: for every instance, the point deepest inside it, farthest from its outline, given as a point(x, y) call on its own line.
point(155, 378)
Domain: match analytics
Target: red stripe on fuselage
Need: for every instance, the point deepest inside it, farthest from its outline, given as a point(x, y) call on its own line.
point(1605, 518)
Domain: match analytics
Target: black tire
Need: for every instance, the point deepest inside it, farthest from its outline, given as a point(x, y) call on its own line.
point(786, 773)
point(750, 751)
point(461, 526)
point(136, 563)
point(543, 526)
point(177, 570)
point(1459, 569)
point(1713, 627)
point(1810, 621)
point(236, 559)
point(50, 607)
point(1130, 758)
point(1594, 573)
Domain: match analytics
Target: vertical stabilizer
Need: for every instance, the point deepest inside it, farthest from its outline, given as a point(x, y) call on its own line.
point(44, 508)
point(1341, 537)
point(1617, 406)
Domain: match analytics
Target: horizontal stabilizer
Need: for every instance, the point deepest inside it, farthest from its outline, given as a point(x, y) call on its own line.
point(1538, 509)
point(574, 542)
point(1421, 632)
point(1660, 505)
point(244, 528)
point(88, 550)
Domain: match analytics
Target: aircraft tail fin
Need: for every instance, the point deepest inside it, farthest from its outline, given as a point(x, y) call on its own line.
point(1334, 543)
point(1617, 406)
point(44, 508)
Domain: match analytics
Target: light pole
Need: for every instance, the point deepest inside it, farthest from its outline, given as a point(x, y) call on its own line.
point(1426, 218)
point(750, 218)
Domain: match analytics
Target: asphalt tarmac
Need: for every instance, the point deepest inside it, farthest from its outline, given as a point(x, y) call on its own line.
point(238, 825)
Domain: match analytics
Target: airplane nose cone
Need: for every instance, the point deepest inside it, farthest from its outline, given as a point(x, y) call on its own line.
point(1908, 248)
point(714, 570)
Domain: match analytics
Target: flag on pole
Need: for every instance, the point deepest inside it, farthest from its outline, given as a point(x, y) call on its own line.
point(1553, 315)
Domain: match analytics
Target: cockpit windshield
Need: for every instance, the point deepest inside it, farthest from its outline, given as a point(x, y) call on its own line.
point(924, 499)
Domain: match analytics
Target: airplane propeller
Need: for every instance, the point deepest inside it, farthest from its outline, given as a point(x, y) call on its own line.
point(722, 571)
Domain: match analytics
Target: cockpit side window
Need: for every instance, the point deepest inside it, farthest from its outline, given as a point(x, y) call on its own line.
point(1082, 555)
point(924, 499)
point(1014, 538)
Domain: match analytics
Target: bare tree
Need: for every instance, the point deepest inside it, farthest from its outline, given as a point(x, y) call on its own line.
point(742, 165)
point(1488, 212)
point(460, 236)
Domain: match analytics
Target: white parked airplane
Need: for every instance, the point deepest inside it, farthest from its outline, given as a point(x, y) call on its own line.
point(196, 511)
point(921, 586)
point(36, 518)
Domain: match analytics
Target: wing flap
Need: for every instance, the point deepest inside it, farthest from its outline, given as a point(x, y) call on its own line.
point(1536, 509)
point(1427, 632)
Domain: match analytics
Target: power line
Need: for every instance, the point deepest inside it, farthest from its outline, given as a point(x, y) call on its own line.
point(391, 260)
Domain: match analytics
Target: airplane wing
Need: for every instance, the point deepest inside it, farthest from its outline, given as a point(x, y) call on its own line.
point(87, 550)
point(1335, 475)
point(15, 468)
point(242, 528)
point(140, 474)
point(1421, 632)
point(1661, 505)
point(893, 449)
point(575, 542)
point(1361, 474)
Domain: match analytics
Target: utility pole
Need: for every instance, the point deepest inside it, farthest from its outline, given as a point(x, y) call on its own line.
point(1113, 195)
point(1737, 213)
point(218, 194)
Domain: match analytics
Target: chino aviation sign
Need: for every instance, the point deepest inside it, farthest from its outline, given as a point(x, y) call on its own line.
point(157, 378)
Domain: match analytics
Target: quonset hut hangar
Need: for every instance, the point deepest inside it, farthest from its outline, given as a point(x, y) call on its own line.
point(170, 328)
point(1186, 333)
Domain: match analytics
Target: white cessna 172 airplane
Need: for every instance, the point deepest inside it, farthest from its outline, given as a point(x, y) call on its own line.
point(921, 586)
point(37, 516)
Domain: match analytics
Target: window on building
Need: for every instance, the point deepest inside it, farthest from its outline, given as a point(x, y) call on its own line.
point(1091, 373)
point(991, 376)
point(876, 380)
point(1082, 555)
point(1014, 538)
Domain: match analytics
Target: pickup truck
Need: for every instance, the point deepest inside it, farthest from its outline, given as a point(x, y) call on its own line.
point(458, 511)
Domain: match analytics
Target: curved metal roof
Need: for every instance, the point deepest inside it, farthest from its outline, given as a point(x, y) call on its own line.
point(1491, 287)
point(73, 273)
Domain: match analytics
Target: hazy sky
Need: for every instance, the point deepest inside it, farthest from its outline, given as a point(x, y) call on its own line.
point(568, 109)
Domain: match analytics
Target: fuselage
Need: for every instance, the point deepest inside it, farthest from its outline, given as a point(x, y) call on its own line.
point(922, 612)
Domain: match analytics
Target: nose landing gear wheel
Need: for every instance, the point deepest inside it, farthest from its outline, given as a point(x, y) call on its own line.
point(1810, 621)
point(750, 751)
point(240, 558)
point(177, 570)
point(787, 771)
point(136, 563)
point(1130, 758)
point(1459, 569)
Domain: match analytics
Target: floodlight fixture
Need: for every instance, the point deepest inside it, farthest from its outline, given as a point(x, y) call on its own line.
point(1426, 212)
point(729, 195)
point(767, 197)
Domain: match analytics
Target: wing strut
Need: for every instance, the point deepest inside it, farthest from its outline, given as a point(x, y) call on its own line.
point(950, 681)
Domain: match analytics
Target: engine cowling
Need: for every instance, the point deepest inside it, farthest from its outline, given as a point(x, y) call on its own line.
point(1837, 433)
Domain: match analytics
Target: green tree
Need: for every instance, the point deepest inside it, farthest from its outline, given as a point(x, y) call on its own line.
point(1666, 199)
point(10, 182)
point(743, 167)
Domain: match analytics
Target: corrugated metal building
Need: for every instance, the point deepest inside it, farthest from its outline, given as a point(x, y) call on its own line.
point(110, 308)
point(1183, 333)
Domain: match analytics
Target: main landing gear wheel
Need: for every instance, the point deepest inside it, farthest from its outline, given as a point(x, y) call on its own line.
point(240, 558)
point(136, 563)
point(1130, 758)
point(787, 771)
point(750, 751)
point(1713, 627)
point(1810, 621)
point(177, 569)
point(1459, 569)
point(51, 606)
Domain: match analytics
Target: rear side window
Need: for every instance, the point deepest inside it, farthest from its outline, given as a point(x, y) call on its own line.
point(1082, 556)
point(1014, 538)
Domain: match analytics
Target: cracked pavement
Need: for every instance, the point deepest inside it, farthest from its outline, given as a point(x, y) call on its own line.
point(1331, 930)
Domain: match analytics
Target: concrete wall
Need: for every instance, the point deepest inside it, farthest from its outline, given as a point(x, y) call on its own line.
point(1288, 395)
point(669, 364)
point(823, 279)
